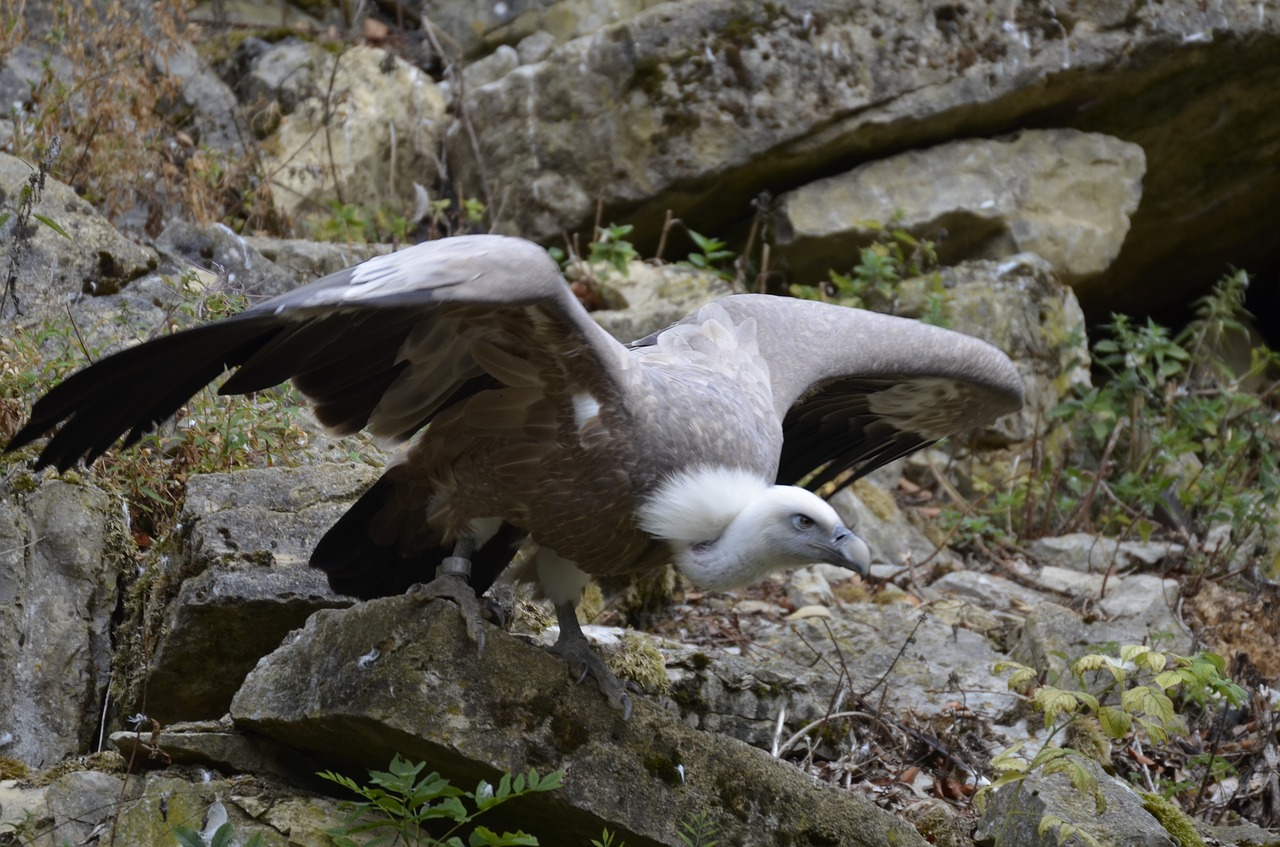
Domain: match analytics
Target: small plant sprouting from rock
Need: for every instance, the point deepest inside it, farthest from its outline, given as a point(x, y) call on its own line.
point(611, 247)
point(695, 831)
point(28, 197)
point(711, 254)
point(446, 218)
point(349, 222)
point(609, 252)
point(398, 802)
point(699, 831)
point(1122, 696)
point(875, 281)
point(440, 218)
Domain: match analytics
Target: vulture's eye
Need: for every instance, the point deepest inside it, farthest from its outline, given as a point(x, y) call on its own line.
point(802, 522)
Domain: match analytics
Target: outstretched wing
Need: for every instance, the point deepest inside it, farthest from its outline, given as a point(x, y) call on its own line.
point(856, 390)
point(384, 345)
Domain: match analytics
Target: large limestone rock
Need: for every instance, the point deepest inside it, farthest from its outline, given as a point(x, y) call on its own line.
point(1062, 194)
point(90, 807)
point(68, 810)
point(647, 297)
point(62, 546)
point(393, 676)
point(798, 668)
point(362, 134)
point(221, 257)
point(1116, 818)
point(699, 107)
point(243, 580)
point(475, 27)
point(52, 269)
point(1020, 306)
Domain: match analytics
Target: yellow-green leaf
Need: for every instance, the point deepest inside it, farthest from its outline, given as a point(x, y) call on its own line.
point(1115, 722)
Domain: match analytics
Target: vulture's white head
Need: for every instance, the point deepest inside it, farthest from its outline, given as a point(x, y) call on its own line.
point(728, 528)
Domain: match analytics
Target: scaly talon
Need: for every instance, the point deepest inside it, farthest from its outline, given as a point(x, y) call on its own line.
point(452, 583)
point(573, 647)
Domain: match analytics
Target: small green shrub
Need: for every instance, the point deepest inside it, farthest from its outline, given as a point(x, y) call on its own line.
point(355, 224)
point(711, 254)
point(695, 831)
point(874, 282)
point(397, 803)
point(1172, 434)
point(611, 247)
point(1118, 695)
point(699, 831)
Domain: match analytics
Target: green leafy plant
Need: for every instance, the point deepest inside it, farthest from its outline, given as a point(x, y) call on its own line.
point(695, 831)
point(699, 831)
point(610, 247)
point(399, 802)
point(1115, 696)
point(443, 217)
point(711, 254)
point(1172, 434)
point(875, 281)
point(351, 223)
point(473, 210)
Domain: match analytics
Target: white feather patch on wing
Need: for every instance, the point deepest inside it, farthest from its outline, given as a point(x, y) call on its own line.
point(431, 264)
point(586, 408)
point(698, 505)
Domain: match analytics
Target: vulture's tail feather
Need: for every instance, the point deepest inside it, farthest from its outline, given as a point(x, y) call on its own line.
point(359, 566)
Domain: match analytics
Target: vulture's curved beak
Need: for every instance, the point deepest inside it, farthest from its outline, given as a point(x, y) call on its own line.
point(850, 551)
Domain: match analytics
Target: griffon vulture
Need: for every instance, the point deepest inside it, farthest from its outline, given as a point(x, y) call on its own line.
point(522, 417)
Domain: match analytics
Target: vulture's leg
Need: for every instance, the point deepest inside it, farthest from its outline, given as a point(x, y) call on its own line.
point(562, 582)
point(453, 583)
point(573, 647)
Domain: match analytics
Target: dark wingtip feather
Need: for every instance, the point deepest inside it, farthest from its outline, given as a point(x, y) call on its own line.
point(132, 391)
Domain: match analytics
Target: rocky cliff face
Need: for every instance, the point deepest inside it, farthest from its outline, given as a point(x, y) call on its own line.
point(1068, 159)
point(700, 107)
